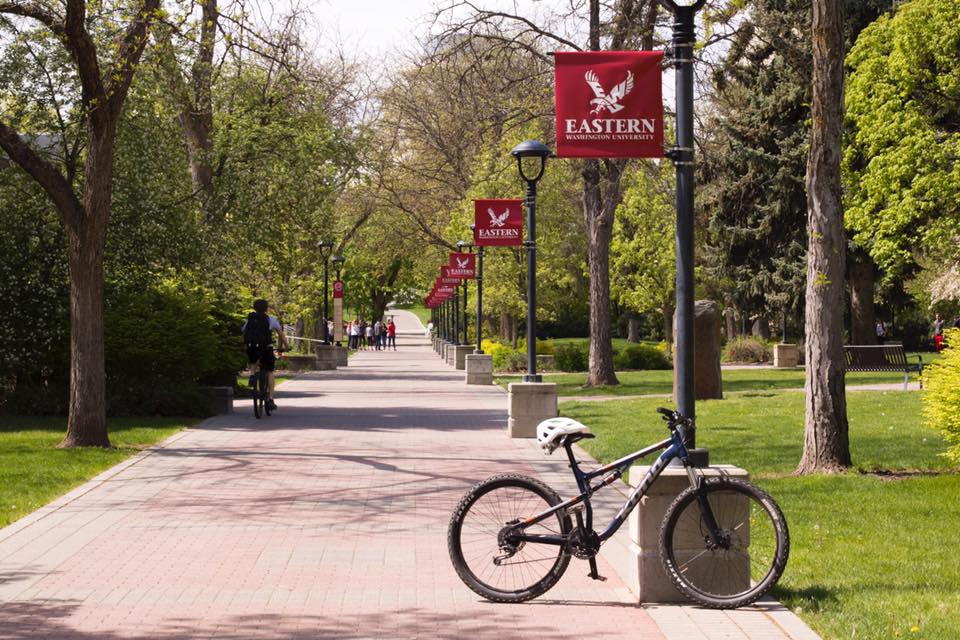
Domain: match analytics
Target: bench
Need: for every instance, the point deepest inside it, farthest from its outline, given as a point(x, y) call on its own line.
point(886, 357)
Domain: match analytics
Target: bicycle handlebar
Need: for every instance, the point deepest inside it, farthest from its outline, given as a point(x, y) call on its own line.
point(677, 421)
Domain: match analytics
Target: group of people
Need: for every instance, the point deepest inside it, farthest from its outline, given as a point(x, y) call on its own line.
point(378, 335)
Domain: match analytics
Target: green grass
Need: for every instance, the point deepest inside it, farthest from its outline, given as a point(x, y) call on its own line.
point(638, 383)
point(872, 555)
point(33, 471)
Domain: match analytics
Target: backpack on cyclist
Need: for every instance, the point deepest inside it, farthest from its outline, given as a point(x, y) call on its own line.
point(257, 329)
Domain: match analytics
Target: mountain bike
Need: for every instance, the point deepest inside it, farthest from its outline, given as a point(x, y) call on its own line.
point(261, 390)
point(723, 542)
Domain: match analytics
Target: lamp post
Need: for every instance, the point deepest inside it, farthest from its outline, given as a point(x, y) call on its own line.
point(537, 150)
point(326, 248)
point(479, 349)
point(684, 12)
point(337, 263)
point(461, 245)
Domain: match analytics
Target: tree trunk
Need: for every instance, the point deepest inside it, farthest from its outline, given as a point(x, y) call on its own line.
point(87, 421)
point(633, 328)
point(826, 446)
point(599, 226)
point(667, 310)
point(862, 315)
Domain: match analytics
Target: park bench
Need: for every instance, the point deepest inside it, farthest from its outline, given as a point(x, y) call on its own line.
point(886, 357)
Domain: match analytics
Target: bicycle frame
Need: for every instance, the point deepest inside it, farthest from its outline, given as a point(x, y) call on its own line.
point(673, 447)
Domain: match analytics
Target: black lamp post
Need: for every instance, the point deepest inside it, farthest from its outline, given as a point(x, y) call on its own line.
point(461, 245)
point(479, 349)
point(326, 248)
point(538, 150)
point(684, 12)
point(337, 263)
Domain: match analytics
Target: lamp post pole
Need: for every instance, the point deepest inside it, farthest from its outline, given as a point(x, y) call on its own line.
point(337, 263)
point(531, 149)
point(325, 248)
point(479, 349)
point(684, 12)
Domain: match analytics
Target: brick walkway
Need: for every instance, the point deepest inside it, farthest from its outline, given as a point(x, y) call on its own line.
point(326, 520)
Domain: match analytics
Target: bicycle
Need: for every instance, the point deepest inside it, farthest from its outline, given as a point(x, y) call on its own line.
point(261, 390)
point(723, 542)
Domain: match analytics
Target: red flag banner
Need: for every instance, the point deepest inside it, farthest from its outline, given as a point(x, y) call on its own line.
point(498, 223)
point(446, 277)
point(337, 289)
point(462, 265)
point(609, 104)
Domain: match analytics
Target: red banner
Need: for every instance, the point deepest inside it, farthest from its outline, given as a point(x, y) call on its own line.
point(446, 278)
point(338, 288)
point(498, 223)
point(609, 104)
point(462, 265)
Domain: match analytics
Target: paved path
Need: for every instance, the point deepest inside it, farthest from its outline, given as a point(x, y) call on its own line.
point(327, 520)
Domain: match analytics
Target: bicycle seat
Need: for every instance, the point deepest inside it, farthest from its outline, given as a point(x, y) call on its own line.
point(550, 433)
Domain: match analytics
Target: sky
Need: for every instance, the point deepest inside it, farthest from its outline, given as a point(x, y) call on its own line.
point(373, 26)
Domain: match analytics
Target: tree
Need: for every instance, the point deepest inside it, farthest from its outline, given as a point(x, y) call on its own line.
point(826, 444)
point(900, 165)
point(104, 75)
point(642, 251)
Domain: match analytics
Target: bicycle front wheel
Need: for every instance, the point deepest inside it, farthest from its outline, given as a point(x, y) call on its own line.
point(749, 556)
point(483, 556)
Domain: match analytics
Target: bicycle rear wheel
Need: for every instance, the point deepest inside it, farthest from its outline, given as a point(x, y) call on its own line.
point(752, 552)
point(477, 536)
point(257, 395)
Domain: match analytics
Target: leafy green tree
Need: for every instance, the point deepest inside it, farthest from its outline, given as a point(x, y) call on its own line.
point(642, 252)
point(900, 164)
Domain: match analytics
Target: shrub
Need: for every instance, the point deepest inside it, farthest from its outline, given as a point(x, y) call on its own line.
point(641, 356)
point(746, 349)
point(941, 397)
point(572, 357)
point(544, 348)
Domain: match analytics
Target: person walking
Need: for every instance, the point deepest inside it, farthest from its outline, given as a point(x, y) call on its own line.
point(881, 332)
point(378, 334)
point(391, 334)
point(368, 330)
point(938, 324)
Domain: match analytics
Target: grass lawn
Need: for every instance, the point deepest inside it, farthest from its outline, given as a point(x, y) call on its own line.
point(33, 471)
point(637, 383)
point(873, 555)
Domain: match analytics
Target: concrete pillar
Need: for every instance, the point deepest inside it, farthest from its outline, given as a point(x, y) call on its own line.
point(342, 355)
point(530, 404)
point(707, 381)
point(645, 576)
point(460, 352)
point(326, 357)
point(451, 354)
point(479, 368)
point(786, 355)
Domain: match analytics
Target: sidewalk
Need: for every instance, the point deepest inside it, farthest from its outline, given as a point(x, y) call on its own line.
point(327, 520)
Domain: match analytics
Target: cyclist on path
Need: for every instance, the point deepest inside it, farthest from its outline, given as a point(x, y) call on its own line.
point(258, 336)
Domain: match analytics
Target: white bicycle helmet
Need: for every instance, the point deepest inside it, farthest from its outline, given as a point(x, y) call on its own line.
point(550, 432)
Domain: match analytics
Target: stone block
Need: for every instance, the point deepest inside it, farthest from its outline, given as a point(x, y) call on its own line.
point(342, 356)
point(645, 576)
point(220, 399)
point(530, 404)
point(326, 357)
point(460, 352)
point(451, 354)
point(786, 355)
point(707, 381)
point(479, 367)
point(299, 362)
point(546, 362)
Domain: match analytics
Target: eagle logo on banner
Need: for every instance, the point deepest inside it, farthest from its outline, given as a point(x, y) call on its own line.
point(462, 264)
point(611, 101)
point(498, 221)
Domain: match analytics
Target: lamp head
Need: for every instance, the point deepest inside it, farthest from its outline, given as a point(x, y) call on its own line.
point(531, 149)
point(460, 244)
point(674, 5)
point(337, 259)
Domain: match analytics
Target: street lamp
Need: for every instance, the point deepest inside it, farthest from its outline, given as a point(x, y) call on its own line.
point(479, 349)
point(537, 151)
point(326, 248)
point(684, 39)
point(461, 245)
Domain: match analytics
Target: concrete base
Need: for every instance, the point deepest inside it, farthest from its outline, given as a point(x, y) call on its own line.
point(450, 355)
point(530, 404)
point(786, 355)
point(301, 362)
point(342, 356)
point(220, 399)
point(479, 367)
point(460, 356)
point(645, 576)
point(326, 357)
